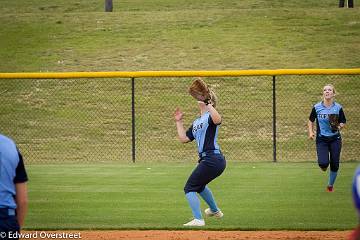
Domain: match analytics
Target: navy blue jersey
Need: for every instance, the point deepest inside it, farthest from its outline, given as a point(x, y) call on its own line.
point(321, 113)
point(12, 171)
point(205, 132)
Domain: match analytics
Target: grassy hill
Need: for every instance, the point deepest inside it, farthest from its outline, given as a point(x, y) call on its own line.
point(171, 34)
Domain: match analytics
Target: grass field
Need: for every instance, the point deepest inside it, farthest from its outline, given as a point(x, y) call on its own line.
point(150, 196)
point(83, 121)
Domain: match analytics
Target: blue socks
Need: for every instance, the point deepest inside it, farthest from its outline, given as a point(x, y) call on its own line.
point(209, 199)
point(332, 178)
point(194, 203)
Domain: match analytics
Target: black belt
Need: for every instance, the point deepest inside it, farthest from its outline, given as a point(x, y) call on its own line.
point(209, 153)
point(6, 212)
point(329, 138)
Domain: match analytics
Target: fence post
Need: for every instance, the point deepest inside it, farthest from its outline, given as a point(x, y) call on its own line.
point(108, 5)
point(274, 118)
point(133, 149)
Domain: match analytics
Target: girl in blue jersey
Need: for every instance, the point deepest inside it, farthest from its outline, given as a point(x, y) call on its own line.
point(13, 189)
point(328, 141)
point(211, 161)
point(355, 235)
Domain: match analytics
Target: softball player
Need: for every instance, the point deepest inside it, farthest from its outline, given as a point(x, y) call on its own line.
point(328, 140)
point(13, 190)
point(211, 161)
point(355, 235)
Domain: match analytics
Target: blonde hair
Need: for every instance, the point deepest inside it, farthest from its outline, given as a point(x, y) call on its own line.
point(332, 86)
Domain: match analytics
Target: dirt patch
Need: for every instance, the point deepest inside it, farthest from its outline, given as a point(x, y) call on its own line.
point(188, 235)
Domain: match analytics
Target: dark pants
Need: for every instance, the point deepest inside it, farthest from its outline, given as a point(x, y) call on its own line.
point(209, 168)
point(350, 3)
point(8, 225)
point(328, 152)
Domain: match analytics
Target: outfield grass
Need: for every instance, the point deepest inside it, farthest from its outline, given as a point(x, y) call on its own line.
point(150, 196)
point(85, 120)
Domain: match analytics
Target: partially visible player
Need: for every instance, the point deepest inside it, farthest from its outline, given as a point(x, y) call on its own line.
point(356, 199)
point(350, 3)
point(211, 161)
point(328, 139)
point(13, 189)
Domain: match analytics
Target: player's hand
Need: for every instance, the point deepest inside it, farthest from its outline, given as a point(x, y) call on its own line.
point(311, 136)
point(178, 115)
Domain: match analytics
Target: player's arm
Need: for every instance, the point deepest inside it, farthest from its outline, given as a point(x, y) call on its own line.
point(311, 121)
point(342, 119)
point(21, 202)
point(215, 115)
point(311, 130)
point(21, 197)
point(178, 116)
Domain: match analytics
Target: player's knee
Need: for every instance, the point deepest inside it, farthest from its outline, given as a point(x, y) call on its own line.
point(193, 188)
point(186, 189)
point(323, 166)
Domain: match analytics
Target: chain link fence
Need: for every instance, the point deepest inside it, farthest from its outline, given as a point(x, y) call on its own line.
point(90, 120)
